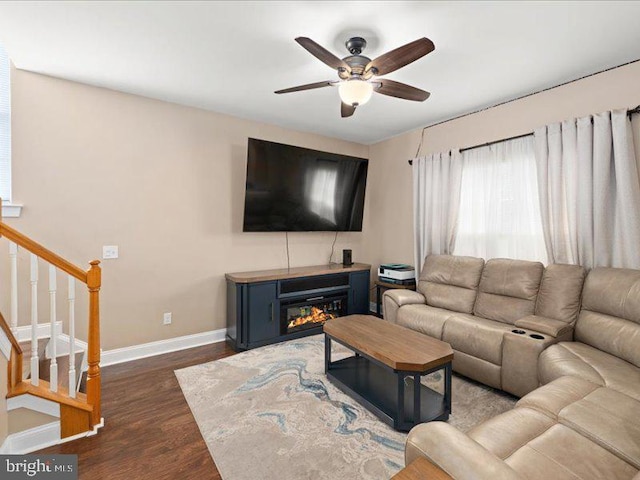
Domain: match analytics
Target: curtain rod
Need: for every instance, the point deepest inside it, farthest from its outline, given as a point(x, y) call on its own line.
point(631, 112)
point(488, 143)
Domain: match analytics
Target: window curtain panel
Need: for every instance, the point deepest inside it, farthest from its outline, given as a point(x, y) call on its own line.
point(436, 199)
point(590, 191)
point(499, 207)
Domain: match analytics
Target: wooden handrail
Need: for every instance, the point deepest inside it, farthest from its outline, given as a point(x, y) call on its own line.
point(42, 252)
point(14, 363)
point(5, 328)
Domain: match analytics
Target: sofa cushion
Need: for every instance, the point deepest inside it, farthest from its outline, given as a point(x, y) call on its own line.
point(508, 289)
point(506, 433)
point(609, 418)
point(560, 291)
point(551, 398)
point(588, 363)
point(613, 335)
point(561, 453)
point(537, 447)
point(613, 291)
point(476, 336)
point(424, 319)
point(451, 282)
point(610, 316)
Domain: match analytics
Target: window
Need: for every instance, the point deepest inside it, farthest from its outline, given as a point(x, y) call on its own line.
point(5, 127)
point(499, 212)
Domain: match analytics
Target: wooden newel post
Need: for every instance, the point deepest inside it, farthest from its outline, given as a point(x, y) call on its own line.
point(94, 279)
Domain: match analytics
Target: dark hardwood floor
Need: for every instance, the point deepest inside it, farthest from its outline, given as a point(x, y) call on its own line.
point(149, 430)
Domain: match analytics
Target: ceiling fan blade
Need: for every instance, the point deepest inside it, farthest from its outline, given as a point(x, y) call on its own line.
point(308, 86)
point(400, 90)
point(346, 110)
point(323, 54)
point(401, 56)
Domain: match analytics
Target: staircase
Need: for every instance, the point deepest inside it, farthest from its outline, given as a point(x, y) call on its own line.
point(46, 362)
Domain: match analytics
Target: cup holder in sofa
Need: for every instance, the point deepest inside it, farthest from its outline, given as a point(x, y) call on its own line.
point(536, 336)
point(519, 332)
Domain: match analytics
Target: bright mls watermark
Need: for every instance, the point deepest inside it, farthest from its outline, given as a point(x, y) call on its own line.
point(45, 467)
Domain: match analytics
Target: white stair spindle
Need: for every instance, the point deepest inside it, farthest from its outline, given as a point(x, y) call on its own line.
point(35, 367)
point(72, 337)
point(53, 368)
point(13, 256)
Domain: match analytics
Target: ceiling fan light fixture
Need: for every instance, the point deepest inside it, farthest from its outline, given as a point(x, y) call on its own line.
point(355, 92)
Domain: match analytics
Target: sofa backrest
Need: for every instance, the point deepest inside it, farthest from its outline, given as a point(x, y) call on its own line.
point(508, 289)
point(610, 316)
point(560, 292)
point(450, 281)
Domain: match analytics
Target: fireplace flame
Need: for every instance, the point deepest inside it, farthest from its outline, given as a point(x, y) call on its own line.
point(317, 316)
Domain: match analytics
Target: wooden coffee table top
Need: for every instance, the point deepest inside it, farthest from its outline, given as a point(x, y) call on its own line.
point(397, 347)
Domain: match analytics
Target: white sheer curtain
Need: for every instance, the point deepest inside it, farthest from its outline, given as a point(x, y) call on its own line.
point(436, 196)
point(590, 191)
point(499, 207)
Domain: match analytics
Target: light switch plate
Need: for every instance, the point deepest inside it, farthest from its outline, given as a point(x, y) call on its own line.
point(109, 252)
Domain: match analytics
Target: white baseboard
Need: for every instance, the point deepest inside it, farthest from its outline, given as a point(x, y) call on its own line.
point(34, 403)
point(135, 352)
point(31, 440)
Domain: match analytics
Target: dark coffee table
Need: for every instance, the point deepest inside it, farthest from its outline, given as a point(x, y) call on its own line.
point(384, 375)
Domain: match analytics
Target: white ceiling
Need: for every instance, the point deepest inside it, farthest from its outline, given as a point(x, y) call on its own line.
point(229, 57)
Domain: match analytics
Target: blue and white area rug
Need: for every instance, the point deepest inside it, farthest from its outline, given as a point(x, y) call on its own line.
point(270, 413)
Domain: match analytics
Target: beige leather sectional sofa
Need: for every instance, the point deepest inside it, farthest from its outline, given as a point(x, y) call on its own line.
point(498, 316)
point(584, 421)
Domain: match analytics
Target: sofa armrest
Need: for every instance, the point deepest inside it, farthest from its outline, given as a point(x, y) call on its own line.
point(455, 453)
point(548, 326)
point(392, 300)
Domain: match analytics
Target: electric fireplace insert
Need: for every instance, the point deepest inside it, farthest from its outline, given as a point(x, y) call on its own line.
point(312, 312)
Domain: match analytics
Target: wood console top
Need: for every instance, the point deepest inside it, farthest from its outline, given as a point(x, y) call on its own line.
point(282, 273)
point(397, 347)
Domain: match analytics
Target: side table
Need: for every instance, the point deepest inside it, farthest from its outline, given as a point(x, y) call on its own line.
point(421, 469)
point(381, 286)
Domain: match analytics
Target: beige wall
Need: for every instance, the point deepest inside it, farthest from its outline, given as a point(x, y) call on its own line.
point(165, 183)
point(390, 182)
point(22, 419)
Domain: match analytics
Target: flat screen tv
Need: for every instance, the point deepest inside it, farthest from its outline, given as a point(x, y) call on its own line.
point(297, 189)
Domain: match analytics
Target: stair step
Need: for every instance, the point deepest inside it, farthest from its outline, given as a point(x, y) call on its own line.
point(26, 354)
point(45, 363)
point(63, 369)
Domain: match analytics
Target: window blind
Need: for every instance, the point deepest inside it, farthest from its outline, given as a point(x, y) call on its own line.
point(5, 127)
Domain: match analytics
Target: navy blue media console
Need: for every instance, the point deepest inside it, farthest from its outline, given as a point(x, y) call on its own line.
point(275, 305)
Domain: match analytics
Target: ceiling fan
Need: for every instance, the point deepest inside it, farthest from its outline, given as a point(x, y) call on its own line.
point(357, 72)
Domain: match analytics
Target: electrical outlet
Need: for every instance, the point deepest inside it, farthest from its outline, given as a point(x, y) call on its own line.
point(166, 318)
point(109, 252)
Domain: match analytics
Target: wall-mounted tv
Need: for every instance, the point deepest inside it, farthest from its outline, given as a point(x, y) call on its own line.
point(297, 189)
